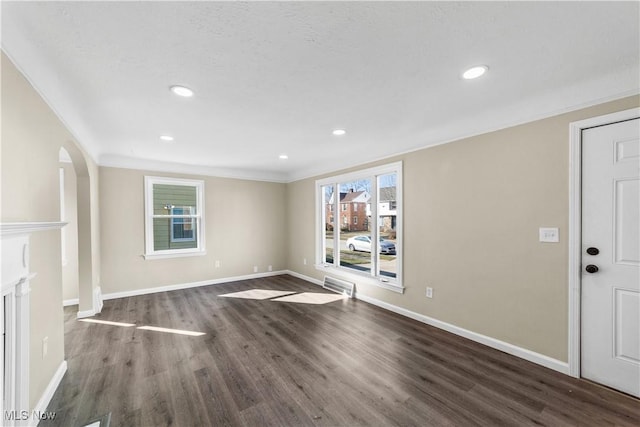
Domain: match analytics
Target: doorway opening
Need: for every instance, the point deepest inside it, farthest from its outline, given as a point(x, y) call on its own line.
point(69, 233)
point(81, 247)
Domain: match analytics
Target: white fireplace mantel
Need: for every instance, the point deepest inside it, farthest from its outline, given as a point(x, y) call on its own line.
point(15, 287)
point(11, 228)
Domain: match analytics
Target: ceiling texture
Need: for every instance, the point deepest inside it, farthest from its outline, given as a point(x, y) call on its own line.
point(274, 78)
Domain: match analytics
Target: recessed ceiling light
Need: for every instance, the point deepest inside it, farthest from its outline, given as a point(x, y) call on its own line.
point(166, 138)
point(182, 91)
point(339, 132)
point(475, 72)
point(283, 156)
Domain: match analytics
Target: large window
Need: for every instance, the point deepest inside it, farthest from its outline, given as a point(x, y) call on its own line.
point(173, 217)
point(370, 245)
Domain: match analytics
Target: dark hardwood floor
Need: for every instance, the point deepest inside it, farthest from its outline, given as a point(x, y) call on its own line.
point(345, 363)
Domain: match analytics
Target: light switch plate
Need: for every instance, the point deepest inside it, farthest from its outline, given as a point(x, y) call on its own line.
point(549, 235)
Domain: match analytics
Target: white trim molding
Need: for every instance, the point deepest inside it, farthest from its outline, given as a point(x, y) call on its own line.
point(85, 314)
point(357, 277)
point(173, 255)
point(71, 301)
point(97, 299)
point(47, 395)
point(303, 277)
point(176, 287)
point(198, 217)
point(9, 228)
point(15, 315)
point(575, 225)
point(374, 276)
point(523, 353)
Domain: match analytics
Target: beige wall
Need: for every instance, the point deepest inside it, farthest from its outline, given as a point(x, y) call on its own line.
point(31, 139)
point(70, 279)
point(245, 225)
point(472, 209)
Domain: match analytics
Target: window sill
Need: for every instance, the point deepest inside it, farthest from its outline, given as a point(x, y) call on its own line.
point(162, 255)
point(360, 278)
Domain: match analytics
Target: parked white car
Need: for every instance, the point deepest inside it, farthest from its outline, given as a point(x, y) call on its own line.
point(363, 243)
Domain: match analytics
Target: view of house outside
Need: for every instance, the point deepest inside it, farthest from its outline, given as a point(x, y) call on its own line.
point(351, 219)
point(175, 228)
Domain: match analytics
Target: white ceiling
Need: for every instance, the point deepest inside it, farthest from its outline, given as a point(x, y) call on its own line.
point(277, 77)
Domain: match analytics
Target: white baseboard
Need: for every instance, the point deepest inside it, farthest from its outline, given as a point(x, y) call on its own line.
point(44, 400)
point(72, 301)
point(145, 291)
point(523, 353)
point(97, 303)
point(85, 313)
point(303, 277)
point(514, 350)
point(97, 299)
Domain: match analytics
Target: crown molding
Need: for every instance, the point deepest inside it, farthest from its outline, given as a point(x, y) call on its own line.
point(115, 161)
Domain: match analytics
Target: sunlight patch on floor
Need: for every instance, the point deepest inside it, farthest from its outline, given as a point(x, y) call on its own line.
point(311, 298)
point(107, 322)
point(259, 294)
point(145, 328)
point(172, 331)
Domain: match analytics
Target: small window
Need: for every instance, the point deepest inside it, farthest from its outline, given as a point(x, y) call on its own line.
point(344, 207)
point(173, 217)
point(355, 207)
point(355, 220)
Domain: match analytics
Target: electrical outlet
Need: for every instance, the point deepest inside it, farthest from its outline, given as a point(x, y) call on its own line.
point(429, 292)
point(255, 268)
point(270, 268)
point(217, 263)
point(45, 346)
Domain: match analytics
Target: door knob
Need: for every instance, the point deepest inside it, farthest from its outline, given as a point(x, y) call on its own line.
point(591, 268)
point(593, 251)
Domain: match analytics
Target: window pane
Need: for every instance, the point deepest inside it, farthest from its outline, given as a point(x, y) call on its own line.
point(182, 229)
point(174, 233)
point(329, 222)
point(355, 234)
point(174, 199)
point(387, 223)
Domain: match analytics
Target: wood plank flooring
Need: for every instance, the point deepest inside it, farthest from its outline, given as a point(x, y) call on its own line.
point(267, 363)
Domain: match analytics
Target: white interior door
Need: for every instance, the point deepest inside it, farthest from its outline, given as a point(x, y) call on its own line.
point(610, 284)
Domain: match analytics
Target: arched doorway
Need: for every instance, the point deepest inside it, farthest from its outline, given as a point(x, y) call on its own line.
point(89, 296)
point(69, 233)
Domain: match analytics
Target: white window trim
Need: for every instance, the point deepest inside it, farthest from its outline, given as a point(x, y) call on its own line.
point(372, 278)
point(150, 253)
